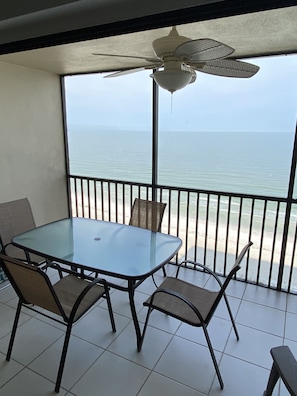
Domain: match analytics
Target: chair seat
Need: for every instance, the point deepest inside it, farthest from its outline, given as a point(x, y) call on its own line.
point(69, 288)
point(202, 299)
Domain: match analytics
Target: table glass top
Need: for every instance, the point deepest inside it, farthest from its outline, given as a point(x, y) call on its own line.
point(111, 248)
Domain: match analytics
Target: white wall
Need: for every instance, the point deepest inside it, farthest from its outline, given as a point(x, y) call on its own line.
point(32, 162)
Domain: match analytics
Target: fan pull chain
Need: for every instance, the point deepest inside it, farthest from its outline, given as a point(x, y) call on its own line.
point(171, 102)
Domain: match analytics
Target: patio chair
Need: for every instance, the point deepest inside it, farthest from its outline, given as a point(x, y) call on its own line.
point(69, 298)
point(16, 217)
point(193, 304)
point(148, 215)
point(284, 366)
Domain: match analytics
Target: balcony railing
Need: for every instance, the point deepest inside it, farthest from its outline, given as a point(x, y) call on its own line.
point(213, 225)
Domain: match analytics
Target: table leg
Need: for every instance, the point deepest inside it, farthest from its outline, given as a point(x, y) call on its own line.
point(133, 311)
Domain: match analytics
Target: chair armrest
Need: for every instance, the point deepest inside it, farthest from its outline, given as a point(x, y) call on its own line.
point(204, 267)
point(26, 254)
point(89, 286)
point(3, 247)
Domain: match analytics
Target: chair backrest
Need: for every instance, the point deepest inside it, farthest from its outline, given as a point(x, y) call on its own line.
point(16, 217)
point(147, 214)
point(232, 272)
point(31, 284)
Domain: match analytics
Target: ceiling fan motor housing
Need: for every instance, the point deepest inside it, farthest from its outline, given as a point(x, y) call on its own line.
point(165, 46)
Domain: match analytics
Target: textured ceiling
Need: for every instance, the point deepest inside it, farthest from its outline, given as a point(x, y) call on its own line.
point(251, 35)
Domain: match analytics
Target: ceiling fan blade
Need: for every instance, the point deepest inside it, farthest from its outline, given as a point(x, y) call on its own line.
point(228, 68)
point(202, 50)
point(130, 57)
point(124, 72)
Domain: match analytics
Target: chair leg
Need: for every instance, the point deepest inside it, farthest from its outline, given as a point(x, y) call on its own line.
point(213, 357)
point(231, 317)
point(14, 329)
point(63, 357)
point(273, 378)
point(144, 329)
point(164, 272)
point(110, 311)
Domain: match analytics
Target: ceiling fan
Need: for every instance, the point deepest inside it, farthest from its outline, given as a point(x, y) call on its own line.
point(178, 58)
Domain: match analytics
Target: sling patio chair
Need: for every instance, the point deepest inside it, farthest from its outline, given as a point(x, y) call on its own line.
point(193, 304)
point(16, 217)
point(284, 367)
point(149, 215)
point(69, 298)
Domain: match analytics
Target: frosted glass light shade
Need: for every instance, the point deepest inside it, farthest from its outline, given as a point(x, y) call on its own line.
point(172, 80)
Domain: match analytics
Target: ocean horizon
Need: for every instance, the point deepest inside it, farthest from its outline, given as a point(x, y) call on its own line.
point(236, 162)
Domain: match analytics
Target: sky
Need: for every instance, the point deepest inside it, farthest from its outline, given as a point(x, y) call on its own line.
point(267, 102)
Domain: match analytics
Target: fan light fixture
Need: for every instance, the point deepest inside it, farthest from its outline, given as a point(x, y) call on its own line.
point(172, 80)
point(177, 58)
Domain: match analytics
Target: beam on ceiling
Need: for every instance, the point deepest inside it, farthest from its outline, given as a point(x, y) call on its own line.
point(211, 11)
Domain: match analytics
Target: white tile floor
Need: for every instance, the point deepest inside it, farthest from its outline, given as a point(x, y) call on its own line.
point(174, 360)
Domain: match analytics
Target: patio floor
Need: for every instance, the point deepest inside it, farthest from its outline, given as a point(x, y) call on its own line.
point(174, 360)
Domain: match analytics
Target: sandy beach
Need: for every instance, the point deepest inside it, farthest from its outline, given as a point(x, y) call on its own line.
point(215, 245)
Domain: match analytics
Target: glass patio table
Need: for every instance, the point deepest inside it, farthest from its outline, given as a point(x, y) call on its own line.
point(106, 248)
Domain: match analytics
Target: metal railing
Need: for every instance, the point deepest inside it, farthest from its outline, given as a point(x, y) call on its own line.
point(213, 225)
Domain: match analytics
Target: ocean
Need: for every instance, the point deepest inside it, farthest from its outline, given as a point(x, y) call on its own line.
point(249, 162)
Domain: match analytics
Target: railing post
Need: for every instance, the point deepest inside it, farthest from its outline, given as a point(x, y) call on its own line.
point(288, 213)
point(155, 130)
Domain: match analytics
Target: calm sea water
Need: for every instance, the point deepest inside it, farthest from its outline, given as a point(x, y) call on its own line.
point(255, 163)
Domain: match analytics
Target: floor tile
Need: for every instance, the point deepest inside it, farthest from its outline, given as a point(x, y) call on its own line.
point(32, 333)
point(148, 286)
point(174, 359)
point(80, 357)
point(111, 375)
point(160, 385)
point(261, 317)
point(253, 346)
point(28, 383)
point(236, 288)
point(188, 363)
point(7, 315)
point(7, 294)
point(265, 296)
point(8, 369)
point(291, 325)
point(292, 303)
point(95, 327)
point(154, 343)
point(240, 378)
point(283, 390)
point(292, 345)
point(160, 320)
point(218, 329)
point(121, 305)
point(222, 310)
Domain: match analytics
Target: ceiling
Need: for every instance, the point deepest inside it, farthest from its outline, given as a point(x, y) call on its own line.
point(20, 20)
point(252, 34)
